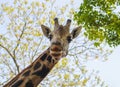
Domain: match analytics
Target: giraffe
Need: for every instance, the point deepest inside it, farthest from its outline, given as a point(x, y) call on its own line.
point(60, 39)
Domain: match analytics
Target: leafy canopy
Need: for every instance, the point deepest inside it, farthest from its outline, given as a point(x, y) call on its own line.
point(101, 20)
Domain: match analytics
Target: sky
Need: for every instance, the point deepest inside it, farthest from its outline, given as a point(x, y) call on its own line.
point(109, 70)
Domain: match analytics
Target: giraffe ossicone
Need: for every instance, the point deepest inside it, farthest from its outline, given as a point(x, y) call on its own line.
point(60, 39)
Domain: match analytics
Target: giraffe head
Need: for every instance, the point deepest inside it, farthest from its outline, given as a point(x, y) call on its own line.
point(60, 37)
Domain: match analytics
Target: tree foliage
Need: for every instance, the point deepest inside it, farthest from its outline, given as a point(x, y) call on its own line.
point(101, 20)
point(21, 41)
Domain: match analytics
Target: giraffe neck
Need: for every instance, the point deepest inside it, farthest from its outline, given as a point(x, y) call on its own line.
point(34, 73)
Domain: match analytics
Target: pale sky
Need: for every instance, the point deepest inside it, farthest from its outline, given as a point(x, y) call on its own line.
point(109, 70)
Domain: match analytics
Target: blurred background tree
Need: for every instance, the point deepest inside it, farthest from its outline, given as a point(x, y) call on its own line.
point(101, 20)
point(21, 41)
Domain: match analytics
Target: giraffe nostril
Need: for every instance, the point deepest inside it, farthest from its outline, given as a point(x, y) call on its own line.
point(56, 43)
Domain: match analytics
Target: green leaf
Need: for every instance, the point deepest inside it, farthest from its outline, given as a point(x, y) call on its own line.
point(96, 44)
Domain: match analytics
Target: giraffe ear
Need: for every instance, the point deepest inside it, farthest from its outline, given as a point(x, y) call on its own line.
point(45, 30)
point(76, 32)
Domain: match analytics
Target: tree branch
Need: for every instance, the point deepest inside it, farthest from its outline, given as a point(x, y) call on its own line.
point(6, 50)
point(10, 55)
point(18, 43)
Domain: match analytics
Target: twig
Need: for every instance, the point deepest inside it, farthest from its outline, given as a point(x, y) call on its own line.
point(7, 65)
point(36, 49)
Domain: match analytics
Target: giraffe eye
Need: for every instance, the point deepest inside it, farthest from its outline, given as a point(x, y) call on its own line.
point(69, 39)
point(50, 36)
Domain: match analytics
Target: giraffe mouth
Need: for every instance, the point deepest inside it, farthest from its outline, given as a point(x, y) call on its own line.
point(56, 51)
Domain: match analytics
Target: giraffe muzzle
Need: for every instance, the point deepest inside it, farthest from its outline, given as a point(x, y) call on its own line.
point(56, 51)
